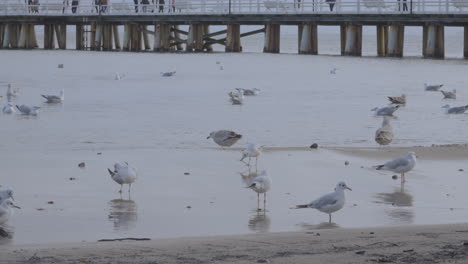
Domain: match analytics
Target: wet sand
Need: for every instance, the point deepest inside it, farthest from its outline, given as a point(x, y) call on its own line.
point(417, 244)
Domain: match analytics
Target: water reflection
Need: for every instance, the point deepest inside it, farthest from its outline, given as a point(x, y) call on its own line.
point(260, 222)
point(324, 225)
point(123, 213)
point(401, 202)
point(6, 234)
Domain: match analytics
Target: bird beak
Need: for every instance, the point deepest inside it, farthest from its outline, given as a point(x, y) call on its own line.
point(111, 172)
point(17, 207)
point(208, 137)
point(348, 188)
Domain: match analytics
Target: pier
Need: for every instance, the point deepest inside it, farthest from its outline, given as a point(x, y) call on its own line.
point(125, 26)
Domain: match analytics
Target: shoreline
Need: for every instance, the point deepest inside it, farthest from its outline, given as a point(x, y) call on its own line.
point(406, 244)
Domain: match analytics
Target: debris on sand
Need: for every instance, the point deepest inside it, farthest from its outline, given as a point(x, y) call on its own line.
point(81, 165)
point(314, 146)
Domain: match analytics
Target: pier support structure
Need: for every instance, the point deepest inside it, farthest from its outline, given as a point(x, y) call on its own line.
point(195, 38)
point(465, 42)
point(433, 41)
point(308, 41)
point(133, 38)
point(272, 38)
point(390, 40)
point(351, 40)
point(80, 39)
point(162, 37)
point(233, 39)
point(27, 38)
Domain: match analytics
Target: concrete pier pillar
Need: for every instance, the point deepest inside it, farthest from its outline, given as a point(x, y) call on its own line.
point(433, 41)
point(272, 38)
point(14, 31)
point(107, 37)
point(195, 38)
point(233, 39)
point(145, 36)
point(27, 38)
point(80, 37)
point(126, 38)
point(351, 40)
point(97, 43)
point(6, 37)
point(382, 40)
point(206, 31)
point(61, 34)
point(396, 39)
point(162, 37)
point(308, 43)
point(177, 37)
point(115, 32)
point(465, 42)
point(49, 38)
point(136, 38)
point(2, 32)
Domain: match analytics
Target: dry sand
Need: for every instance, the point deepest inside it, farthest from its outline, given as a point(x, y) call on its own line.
point(417, 244)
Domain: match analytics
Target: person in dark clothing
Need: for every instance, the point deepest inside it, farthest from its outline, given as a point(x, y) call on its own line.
point(74, 6)
point(145, 4)
point(136, 5)
point(405, 5)
point(331, 3)
point(104, 4)
point(161, 6)
point(97, 5)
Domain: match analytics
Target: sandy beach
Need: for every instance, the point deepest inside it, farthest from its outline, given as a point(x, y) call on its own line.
point(417, 244)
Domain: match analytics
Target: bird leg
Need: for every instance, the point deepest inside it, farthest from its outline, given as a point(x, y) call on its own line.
point(121, 186)
point(329, 218)
point(402, 178)
point(264, 201)
point(258, 202)
point(129, 187)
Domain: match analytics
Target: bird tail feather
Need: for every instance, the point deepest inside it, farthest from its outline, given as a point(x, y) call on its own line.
point(379, 167)
point(302, 206)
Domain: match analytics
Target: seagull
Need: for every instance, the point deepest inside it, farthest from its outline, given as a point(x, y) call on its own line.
point(384, 135)
point(251, 92)
point(455, 110)
point(6, 194)
point(385, 111)
point(237, 97)
point(168, 74)
point(5, 210)
point(333, 71)
point(119, 76)
point(449, 95)
point(8, 109)
point(261, 184)
point(28, 110)
point(54, 99)
point(224, 138)
point(400, 165)
point(432, 87)
point(329, 203)
point(397, 99)
point(123, 174)
point(251, 151)
point(11, 92)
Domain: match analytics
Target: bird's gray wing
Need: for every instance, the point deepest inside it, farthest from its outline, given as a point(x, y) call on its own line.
point(396, 163)
point(326, 200)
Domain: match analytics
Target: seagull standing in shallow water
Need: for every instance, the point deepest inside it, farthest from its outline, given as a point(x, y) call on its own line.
point(261, 184)
point(385, 111)
point(397, 99)
point(455, 110)
point(449, 95)
point(384, 135)
point(432, 87)
point(123, 174)
point(54, 99)
point(5, 210)
point(28, 110)
point(8, 109)
point(224, 138)
point(400, 165)
point(329, 203)
point(168, 74)
point(251, 151)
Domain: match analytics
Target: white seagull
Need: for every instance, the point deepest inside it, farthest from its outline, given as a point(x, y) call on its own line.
point(455, 110)
point(329, 203)
point(261, 184)
point(237, 96)
point(251, 151)
point(119, 76)
point(54, 99)
point(8, 109)
point(400, 165)
point(385, 111)
point(384, 135)
point(449, 95)
point(5, 210)
point(11, 93)
point(6, 194)
point(168, 74)
point(432, 87)
point(224, 138)
point(28, 110)
point(397, 99)
point(251, 92)
point(123, 174)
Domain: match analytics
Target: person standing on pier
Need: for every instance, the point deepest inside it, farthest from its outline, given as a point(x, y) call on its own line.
point(136, 5)
point(331, 3)
point(75, 5)
point(405, 5)
point(64, 6)
point(104, 4)
point(161, 6)
point(145, 4)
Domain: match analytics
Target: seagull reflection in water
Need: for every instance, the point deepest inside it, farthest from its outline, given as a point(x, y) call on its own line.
point(123, 213)
point(259, 222)
point(401, 202)
point(324, 225)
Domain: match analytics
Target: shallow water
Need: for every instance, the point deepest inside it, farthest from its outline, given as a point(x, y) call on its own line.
point(159, 125)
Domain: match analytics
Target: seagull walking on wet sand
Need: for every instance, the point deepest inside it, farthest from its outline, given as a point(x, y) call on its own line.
point(119, 76)
point(123, 174)
point(449, 95)
point(251, 151)
point(400, 165)
point(237, 96)
point(168, 74)
point(28, 110)
point(55, 99)
point(432, 87)
point(455, 110)
point(224, 138)
point(8, 109)
point(384, 135)
point(329, 203)
point(5, 210)
point(5, 194)
point(385, 111)
point(397, 99)
point(261, 184)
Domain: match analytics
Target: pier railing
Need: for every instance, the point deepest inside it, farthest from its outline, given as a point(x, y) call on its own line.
point(223, 7)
